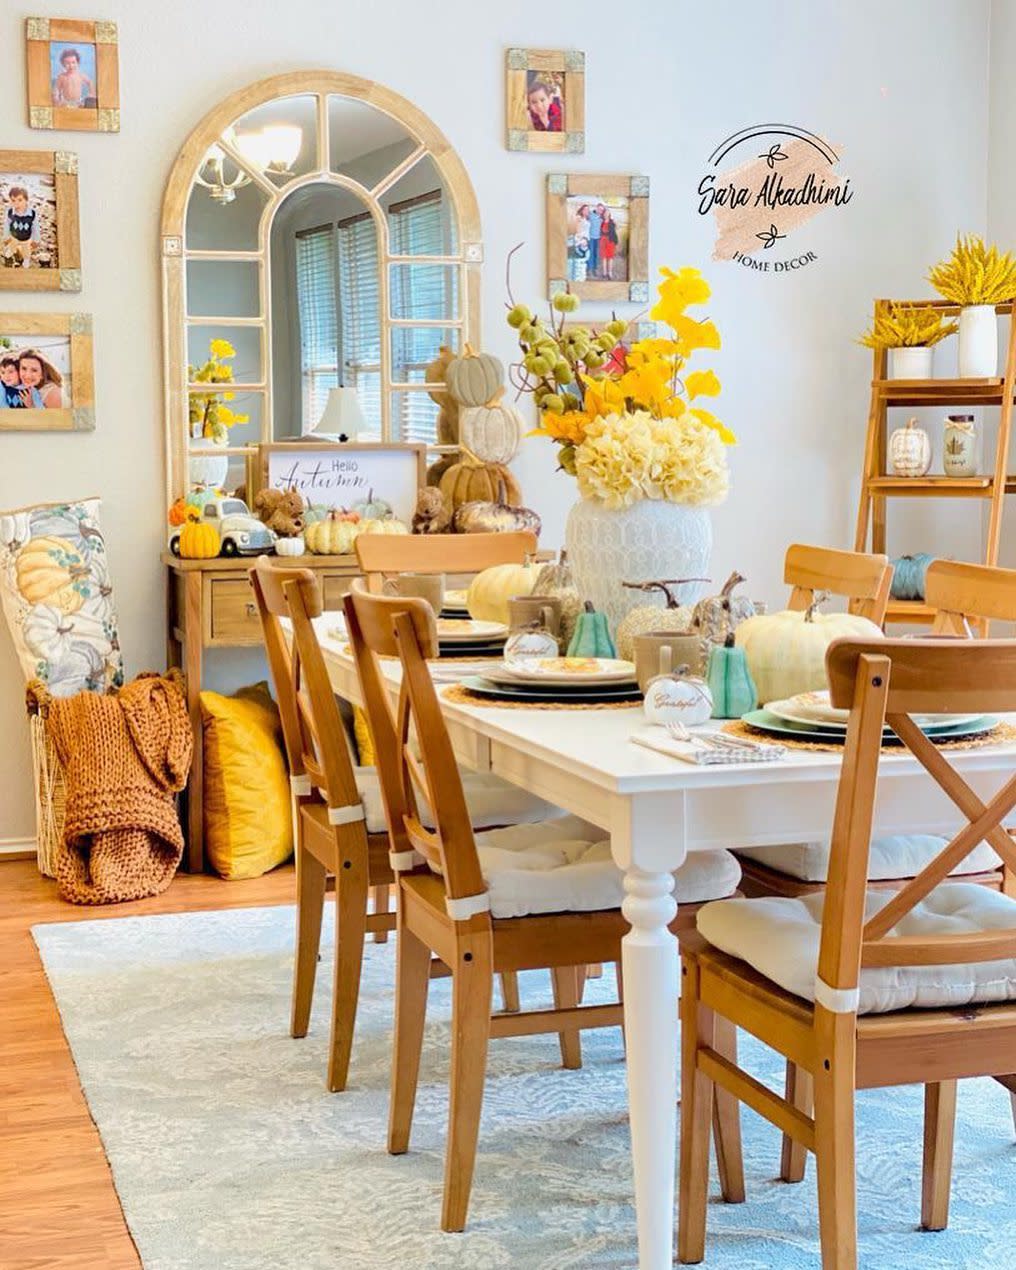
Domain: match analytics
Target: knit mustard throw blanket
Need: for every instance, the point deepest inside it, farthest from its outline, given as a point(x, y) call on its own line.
point(124, 756)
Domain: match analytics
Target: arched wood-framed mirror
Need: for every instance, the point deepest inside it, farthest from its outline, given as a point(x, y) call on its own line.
point(325, 229)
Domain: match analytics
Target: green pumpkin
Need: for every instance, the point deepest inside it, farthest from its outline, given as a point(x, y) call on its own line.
point(908, 576)
point(592, 635)
point(730, 682)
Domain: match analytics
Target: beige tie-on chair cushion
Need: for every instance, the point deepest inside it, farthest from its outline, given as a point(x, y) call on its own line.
point(901, 855)
point(779, 937)
point(565, 866)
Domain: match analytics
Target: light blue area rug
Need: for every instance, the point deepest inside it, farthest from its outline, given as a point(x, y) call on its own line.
point(229, 1154)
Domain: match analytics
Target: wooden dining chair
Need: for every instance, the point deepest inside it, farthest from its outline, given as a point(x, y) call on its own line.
point(859, 988)
point(863, 580)
point(483, 904)
point(331, 838)
point(966, 597)
point(383, 554)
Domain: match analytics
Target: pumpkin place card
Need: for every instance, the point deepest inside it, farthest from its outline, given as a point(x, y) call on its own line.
point(73, 75)
point(40, 242)
point(46, 378)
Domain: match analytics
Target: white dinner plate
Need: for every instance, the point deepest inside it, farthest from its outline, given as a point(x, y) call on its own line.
point(568, 670)
point(814, 708)
point(455, 599)
point(454, 630)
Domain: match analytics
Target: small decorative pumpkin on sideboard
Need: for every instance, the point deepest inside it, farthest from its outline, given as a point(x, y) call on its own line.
point(470, 480)
point(910, 450)
point(497, 516)
point(718, 616)
point(199, 540)
point(332, 536)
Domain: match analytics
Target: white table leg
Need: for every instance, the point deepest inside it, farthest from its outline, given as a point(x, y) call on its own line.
point(649, 959)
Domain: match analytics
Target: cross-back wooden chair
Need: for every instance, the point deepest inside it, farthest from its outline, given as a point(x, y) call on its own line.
point(449, 906)
point(864, 580)
point(382, 554)
point(830, 997)
point(966, 597)
point(331, 839)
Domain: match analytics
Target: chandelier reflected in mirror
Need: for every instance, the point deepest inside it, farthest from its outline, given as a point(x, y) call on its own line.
point(272, 150)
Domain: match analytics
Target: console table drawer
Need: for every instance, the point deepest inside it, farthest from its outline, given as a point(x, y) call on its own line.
point(232, 613)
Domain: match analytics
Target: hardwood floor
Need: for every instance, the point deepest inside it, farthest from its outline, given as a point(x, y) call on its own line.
point(58, 1206)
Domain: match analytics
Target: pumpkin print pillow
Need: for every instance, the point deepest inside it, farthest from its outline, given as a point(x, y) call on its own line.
point(57, 597)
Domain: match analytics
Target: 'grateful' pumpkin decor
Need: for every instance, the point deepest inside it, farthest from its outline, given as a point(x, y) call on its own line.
point(910, 450)
point(492, 432)
point(51, 571)
point(491, 589)
point(555, 579)
point(718, 615)
point(730, 682)
point(592, 635)
point(199, 541)
point(674, 616)
point(474, 378)
point(909, 573)
point(330, 537)
point(678, 698)
point(470, 480)
point(786, 651)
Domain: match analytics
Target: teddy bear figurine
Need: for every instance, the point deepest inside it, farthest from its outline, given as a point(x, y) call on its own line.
point(281, 510)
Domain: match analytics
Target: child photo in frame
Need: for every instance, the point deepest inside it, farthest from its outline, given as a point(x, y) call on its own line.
point(545, 100)
point(28, 226)
point(40, 238)
point(73, 74)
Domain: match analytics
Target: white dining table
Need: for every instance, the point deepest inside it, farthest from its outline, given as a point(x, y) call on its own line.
point(657, 809)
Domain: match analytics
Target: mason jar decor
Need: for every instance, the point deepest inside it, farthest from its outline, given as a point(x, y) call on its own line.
point(630, 425)
point(959, 446)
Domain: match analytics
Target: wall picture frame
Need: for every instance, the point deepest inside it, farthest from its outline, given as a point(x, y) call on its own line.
point(545, 100)
point(40, 234)
point(73, 74)
point(47, 380)
point(598, 236)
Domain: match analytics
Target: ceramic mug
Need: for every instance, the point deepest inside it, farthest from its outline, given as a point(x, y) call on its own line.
point(661, 652)
point(542, 610)
point(424, 586)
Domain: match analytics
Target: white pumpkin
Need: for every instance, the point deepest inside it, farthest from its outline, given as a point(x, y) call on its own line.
point(492, 432)
point(290, 546)
point(910, 450)
point(14, 530)
point(51, 634)
point(678, 699)
point(383, 525)
point(489, 592)
point(786, 651)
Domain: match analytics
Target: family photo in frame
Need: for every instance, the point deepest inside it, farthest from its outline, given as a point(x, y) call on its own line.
point(46, 376)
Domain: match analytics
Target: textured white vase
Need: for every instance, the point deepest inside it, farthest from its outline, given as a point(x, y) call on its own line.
point(207, 466)
point(978, 351)
point(642, 543)
point(910, 363)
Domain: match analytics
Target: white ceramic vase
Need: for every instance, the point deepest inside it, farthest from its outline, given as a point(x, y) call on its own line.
point(207, 466)
point(978, 350)
point(910, 363)
point(650, 540)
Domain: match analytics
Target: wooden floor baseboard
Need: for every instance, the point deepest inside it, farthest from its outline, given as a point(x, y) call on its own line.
point(59, 1206)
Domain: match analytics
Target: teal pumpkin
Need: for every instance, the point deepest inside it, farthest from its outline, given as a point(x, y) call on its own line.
point(908, 576)
point(730, 682)
point(591, 637)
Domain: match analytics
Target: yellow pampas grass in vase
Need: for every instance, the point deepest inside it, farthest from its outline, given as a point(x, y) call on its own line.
point(908, 333)
point(976, 277)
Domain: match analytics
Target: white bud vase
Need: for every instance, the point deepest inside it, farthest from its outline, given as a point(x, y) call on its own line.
point(978, 352)
point(910, 363)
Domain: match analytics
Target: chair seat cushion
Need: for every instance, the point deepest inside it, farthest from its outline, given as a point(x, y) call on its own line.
point(565, 866)
point(901, 855)
point(491, 801)
point(779, 937)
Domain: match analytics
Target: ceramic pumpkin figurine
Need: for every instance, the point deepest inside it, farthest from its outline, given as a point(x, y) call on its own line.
point(910, 450)
point(786, 651)
point(199, 541)
point(494, 517)
point(556, 579)
point(674, 616)
point(290, 546)
point(49, 570)
point(730, 682)
point(491, 589)
point(492, 431)
point(470, 480)
point(909, 574)
point(718, 615)
point(474, 378)
point(592, 635)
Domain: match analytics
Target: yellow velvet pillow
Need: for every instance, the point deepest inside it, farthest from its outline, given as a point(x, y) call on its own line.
point(248, 816)
point(364, 740)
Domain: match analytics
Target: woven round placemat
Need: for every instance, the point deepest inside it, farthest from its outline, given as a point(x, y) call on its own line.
point(460, 695)
point(348, 651)
point(1001, 734)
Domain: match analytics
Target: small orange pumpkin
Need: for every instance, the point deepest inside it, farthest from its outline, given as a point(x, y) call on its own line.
point(199, 541)
point(181, 512)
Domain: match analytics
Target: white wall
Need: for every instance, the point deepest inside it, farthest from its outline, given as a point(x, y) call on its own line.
point(899, 84)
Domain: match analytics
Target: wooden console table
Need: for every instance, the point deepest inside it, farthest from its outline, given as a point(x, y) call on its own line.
point(210, 604)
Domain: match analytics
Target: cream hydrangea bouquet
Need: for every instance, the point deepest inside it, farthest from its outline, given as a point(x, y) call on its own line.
point(625, 420)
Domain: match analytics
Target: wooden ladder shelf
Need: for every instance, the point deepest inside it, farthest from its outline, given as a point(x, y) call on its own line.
point(878, 486)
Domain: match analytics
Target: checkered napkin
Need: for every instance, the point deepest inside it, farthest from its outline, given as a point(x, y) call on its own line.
point(703, 755)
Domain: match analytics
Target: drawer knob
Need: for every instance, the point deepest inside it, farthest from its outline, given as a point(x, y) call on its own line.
point(252, 610)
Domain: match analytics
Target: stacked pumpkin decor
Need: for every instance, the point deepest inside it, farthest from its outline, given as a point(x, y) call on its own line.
point(479, 493)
